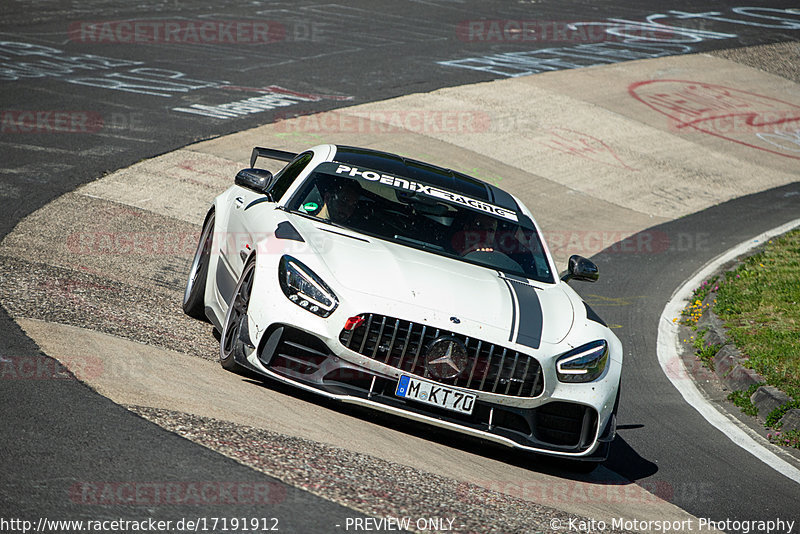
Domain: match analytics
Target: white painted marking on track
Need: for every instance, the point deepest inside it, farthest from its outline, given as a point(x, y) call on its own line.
point(668, 351)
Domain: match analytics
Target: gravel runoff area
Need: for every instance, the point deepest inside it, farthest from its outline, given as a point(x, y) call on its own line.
point(367, 484)
point(781, 59)
point(69, 296)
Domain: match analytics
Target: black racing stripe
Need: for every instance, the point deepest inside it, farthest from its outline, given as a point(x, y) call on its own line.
point(530, 315)
point(513, 310)
point(490, 193)
point(503, 199)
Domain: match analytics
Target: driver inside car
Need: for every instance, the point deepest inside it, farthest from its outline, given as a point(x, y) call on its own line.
point(339, 201)
point(475, 233)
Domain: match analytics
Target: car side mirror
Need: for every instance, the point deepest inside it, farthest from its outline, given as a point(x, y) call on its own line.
point(258, 180)
point(579, 268)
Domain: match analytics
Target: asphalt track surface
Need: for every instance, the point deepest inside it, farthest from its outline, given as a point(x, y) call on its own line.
point(702, 479)
point(58, 432)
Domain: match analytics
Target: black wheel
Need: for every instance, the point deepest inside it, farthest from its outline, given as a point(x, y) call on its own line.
point(230, 344)
point(194, 295)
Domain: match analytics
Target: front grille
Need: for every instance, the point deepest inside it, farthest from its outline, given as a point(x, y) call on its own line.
point(401, 344)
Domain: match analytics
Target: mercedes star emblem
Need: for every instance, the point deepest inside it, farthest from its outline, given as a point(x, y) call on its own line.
point(446, 357)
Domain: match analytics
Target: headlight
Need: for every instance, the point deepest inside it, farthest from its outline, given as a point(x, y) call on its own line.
point(583, 364)
point(304, 288)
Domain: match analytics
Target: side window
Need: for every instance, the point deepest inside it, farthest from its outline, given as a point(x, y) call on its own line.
point(288, 174)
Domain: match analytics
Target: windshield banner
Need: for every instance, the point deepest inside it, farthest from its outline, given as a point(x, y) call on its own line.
point(404, 184)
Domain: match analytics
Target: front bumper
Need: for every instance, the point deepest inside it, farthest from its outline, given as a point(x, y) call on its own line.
point(558, 427)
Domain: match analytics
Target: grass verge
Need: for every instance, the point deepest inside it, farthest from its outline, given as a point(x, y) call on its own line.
point(741, 399)
point(759, 302)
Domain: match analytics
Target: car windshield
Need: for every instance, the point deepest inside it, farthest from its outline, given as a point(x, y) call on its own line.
point(423, 217)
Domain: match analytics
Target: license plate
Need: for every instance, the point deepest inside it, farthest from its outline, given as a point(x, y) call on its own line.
point(435, 394)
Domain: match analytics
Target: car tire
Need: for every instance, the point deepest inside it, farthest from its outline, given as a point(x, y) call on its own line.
point(194, 295)
point(230, 344)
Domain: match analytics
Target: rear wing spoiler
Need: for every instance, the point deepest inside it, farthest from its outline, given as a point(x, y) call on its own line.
point(270, 153)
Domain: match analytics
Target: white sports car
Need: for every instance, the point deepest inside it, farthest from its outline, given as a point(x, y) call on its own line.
point(390, 283)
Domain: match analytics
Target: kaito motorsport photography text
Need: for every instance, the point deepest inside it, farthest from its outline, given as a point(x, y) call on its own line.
point(703, 524)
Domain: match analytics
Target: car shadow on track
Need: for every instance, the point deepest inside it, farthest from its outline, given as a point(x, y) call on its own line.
point(623, 459)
